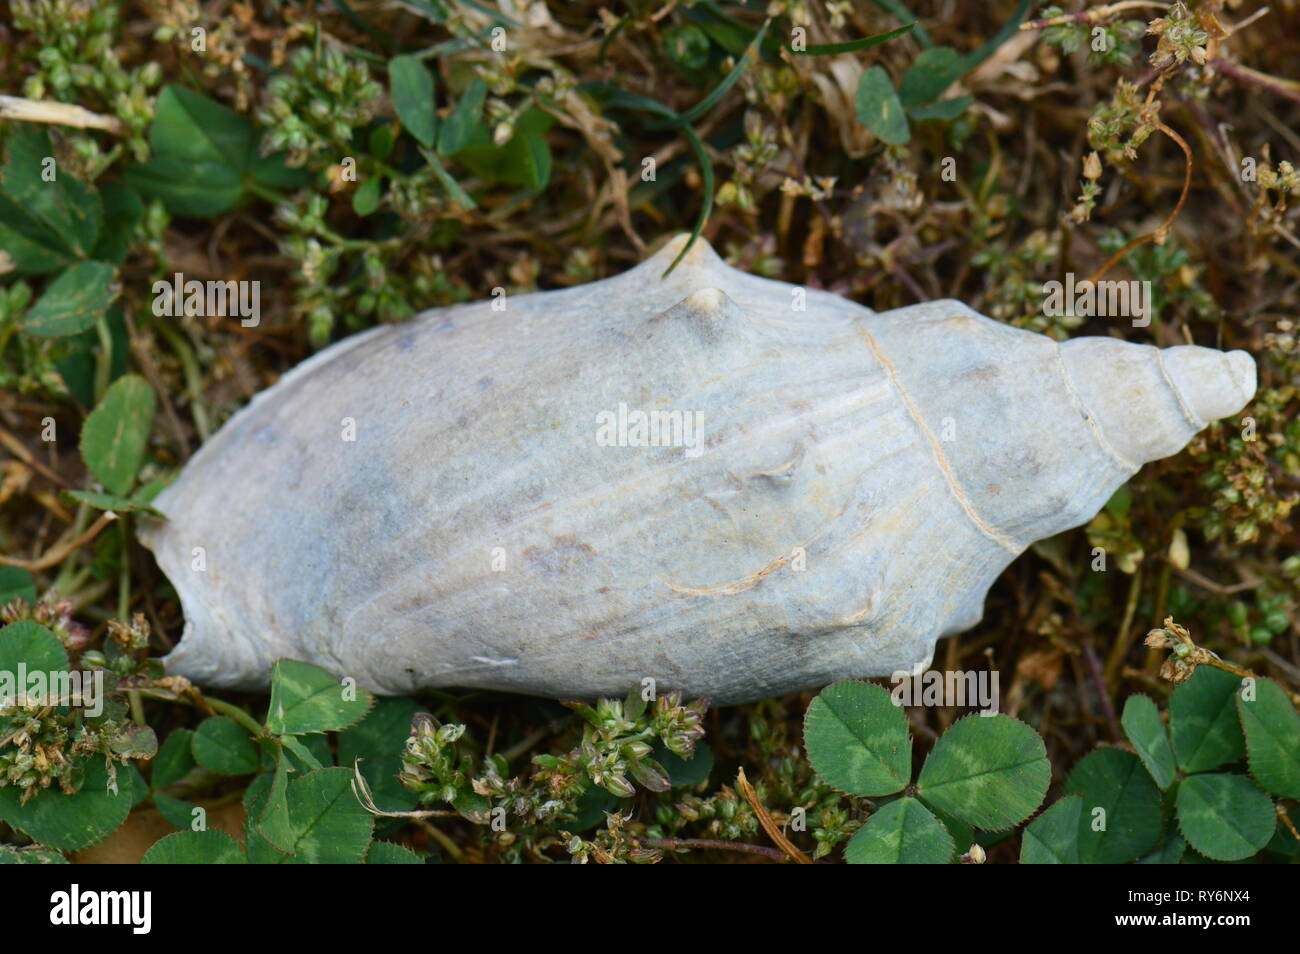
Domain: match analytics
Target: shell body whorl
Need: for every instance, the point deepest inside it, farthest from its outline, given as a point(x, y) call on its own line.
point(840, 488)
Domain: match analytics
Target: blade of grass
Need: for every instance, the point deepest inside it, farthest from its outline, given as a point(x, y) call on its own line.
point(865, 43)
point(362, 24)
point(489, 12)
point(458, 195)
point(621, 99)
point(721, 90)
point(900, 12)
point(978, 56)
point(609, 38)
point(706, 171)
point(624, 100)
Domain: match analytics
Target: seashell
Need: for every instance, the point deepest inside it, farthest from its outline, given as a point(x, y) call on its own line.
point(483, 498)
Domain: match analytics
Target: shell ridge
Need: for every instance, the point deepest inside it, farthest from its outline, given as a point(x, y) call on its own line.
point(734, 587)
point(1088, 415)
point(230, 427)
point(753, 579)
point(1191, 416)
point(1238, 382)
point(949, 477)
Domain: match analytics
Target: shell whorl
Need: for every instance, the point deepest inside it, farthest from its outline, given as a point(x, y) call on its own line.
point(1212, 384)
point(1149, 402)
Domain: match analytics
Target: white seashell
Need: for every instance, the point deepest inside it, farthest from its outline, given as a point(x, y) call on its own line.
point(857, 483)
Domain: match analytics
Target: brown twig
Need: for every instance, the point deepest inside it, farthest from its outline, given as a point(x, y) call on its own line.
point(58, 114)
point(1094, 673)
point(19, 450)
point(361, 789)
point(1157, 236)
point(1291, 669)
point(1241, 672)
point(144, 356)
point(1219, 589)
point(1122, 640)
point(60, 550)
point(1244, 74)
point(443, 839)
point(769, 824)
point(1286, 820)
point(672, 844)
point(1093, 15)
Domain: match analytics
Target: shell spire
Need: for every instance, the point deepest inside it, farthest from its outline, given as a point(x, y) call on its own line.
point(1213, 384)
point(1149, 402)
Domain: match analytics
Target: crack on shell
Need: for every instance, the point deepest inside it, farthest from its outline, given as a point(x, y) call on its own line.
point(950, 479)
point(1091, 418)
point(782, 473)
point(1192, 418)
point(749, 582)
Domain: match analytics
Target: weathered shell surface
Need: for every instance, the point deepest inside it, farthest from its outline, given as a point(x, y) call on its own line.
point(861, 481)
